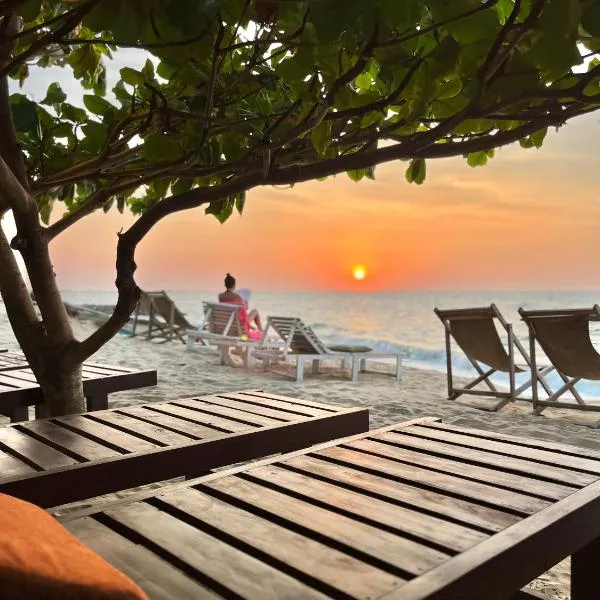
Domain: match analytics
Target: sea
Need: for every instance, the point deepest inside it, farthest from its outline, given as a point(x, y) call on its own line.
point(388, 320)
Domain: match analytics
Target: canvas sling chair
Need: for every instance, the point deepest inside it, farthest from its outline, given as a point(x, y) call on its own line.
point(474, 331)
point(564, 336)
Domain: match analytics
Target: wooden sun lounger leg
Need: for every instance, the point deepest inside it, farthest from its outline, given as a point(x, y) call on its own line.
point(299, 369)
point(18, 414)
point(316, 363)
point(42, 411)
point(585, 575)
point(449, 362)
point(97, 401)
point(355, 368)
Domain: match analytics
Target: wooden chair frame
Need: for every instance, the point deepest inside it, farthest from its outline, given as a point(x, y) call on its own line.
point(539, 376)
point(160, 305)
point(484, 371)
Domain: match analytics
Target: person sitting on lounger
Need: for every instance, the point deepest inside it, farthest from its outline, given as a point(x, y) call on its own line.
point(248, 318)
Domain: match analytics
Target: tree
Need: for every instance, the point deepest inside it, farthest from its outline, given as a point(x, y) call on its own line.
point(241, 93)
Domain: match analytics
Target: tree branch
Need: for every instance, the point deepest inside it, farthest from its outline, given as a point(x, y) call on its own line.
point(66, 27)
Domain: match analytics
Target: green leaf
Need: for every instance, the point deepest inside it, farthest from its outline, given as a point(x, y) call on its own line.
point(95, 138)
point(98, 105)
point(590, 20)
point(538, 137)
point(160, 147)
point(356, 174)
point(24, 113)
point(221, 209)
point(45, 204)
point(103, 15)
point(131, 76)
point(321, 136)
point(54, 95)
point(29, 10)
point(416, 171)
point(182, 185)
point(73, 113)
point(240, 201)
point(477, 159)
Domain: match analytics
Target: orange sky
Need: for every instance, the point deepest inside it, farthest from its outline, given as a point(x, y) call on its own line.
point(528, 220)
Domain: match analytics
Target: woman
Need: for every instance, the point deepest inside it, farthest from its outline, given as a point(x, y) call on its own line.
point(247, 318)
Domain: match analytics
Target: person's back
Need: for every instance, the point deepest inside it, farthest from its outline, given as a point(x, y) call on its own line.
point(247, 318)
point(229, 297)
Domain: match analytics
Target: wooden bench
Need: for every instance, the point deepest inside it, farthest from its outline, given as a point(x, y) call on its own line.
point(64, 459)
point(419, 510)
point(19, 388)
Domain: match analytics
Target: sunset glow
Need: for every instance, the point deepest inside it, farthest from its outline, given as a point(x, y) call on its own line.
point(496, 227)
point(359, 272)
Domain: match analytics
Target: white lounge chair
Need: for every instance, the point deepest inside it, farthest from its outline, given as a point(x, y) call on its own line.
point(301, 343)
point(222, 327)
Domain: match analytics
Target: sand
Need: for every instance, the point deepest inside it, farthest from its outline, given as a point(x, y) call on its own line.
point(422, 393)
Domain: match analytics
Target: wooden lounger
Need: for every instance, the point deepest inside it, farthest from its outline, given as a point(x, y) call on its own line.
point(564, 336)
point(419, 510)
point(60, 460)
point(19, 388)
point(474, 331)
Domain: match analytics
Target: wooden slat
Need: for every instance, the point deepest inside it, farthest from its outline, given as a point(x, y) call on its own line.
point(159, 579)
point(193, 430)
point(394, 550)
point(202, 418)
point(433, 529)
point(359, 580)
point(9, 379)
point(508, 449)
point(512, 558)
point(294, 405)
point(257, 409)
point(82, 446)
point(13, 467)
point(445, 506)
point(229, 567)
point(38, 453)
point(491, 459)
point(104, 433)
point(102, 371)
point(238, 415)
point(468, 490)
point(513, 439)
point(543, 489)
point(153, 433)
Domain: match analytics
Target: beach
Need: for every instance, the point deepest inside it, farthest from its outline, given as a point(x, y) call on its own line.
point(182, 373)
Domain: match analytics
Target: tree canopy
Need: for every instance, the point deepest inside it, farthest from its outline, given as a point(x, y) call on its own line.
point(241, 93)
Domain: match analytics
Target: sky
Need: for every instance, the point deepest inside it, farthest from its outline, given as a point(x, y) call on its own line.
point(528, 220)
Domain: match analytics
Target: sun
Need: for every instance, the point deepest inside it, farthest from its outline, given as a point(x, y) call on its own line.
point(359, 272)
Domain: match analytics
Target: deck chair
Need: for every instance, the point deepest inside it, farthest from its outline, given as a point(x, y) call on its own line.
point(222, 327)
point(301, 343)
point(474, 331)
point(564, 336)
point(165, 320)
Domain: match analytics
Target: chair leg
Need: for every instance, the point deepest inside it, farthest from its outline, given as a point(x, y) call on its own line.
point(299, 369)
point(355, 366)
point(399, 368)
point(97, 402)
point(315, 366)
point(585, 576)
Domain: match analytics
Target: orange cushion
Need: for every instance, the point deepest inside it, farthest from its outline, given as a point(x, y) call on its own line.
point(41, 560)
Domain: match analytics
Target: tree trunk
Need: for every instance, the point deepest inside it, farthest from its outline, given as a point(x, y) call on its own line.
point(63, 389)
